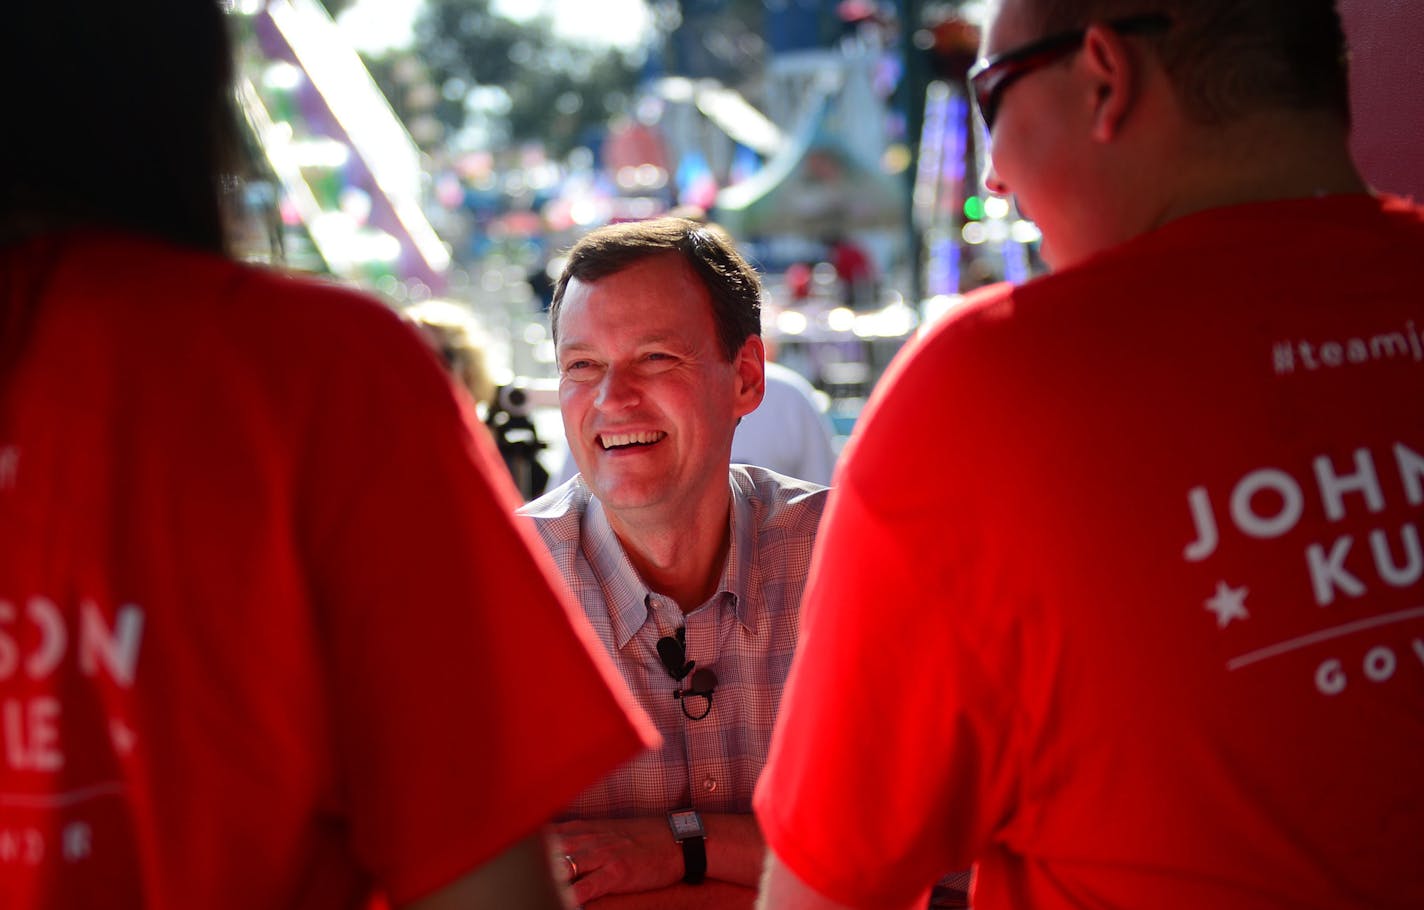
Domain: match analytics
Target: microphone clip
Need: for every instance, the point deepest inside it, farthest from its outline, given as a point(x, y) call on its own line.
point(672, 652)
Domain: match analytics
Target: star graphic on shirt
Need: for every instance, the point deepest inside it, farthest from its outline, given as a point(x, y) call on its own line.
point(1228, 603)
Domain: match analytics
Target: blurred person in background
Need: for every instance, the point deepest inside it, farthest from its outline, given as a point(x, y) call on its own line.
point(854, 270)
point(788, 432)
point(253, 558)
point(690, 569)
point(450, 330)
point(1152, 635)
point(452, 333)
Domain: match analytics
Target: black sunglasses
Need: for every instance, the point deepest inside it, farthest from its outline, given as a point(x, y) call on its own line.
point(672, 651)
point(991, 77)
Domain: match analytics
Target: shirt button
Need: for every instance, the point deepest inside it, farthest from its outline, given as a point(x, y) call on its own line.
point(710, 784)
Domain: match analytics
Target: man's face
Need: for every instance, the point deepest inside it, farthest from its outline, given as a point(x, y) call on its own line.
point(1039, 140)
point(648, 398)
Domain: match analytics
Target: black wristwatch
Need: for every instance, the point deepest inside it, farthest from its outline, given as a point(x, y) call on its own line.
point(687, 830)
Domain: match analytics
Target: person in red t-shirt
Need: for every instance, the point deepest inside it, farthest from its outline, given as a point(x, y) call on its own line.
point(269, 635)
point(854, 270)
point(1146, 629)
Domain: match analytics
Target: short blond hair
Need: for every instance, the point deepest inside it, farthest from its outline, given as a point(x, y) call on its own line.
point(458, 340)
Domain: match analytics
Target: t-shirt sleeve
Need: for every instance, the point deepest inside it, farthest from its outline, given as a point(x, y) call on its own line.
point(887, 768)
point(470, 700)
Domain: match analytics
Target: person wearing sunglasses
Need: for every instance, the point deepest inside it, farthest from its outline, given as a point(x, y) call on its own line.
point(1152, 635)
point(689, 568)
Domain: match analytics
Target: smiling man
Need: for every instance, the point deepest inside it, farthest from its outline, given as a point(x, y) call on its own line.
point(689, 569)
point(1151, 636)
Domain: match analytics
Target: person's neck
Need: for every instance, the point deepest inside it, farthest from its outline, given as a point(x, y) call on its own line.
point(1259, 158)
point(681, 553)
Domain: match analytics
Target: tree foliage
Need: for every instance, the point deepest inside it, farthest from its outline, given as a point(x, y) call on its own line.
point(557, 91)
point(334, 7)
point(721, 39)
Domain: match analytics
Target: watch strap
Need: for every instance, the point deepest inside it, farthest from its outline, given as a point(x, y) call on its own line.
point(694, 859)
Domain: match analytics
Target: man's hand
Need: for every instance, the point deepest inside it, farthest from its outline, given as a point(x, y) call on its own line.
point(631, 855)
point(618, 855)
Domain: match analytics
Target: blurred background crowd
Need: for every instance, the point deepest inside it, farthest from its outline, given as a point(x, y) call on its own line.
point(451, 150)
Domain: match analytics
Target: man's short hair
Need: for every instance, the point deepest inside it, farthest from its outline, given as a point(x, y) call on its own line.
point(1232, 57)
point(731, 282)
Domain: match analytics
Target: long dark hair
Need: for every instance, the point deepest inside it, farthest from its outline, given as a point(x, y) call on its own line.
point(118, 114)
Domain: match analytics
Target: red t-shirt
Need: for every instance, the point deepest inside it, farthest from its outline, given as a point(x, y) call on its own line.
point(269, 636)
point(1118, 595)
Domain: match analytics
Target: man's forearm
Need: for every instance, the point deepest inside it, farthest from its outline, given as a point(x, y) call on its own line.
point(519, 877)
point(783, 889)
point(710, 895)
point(637, 855)
point(735, 849)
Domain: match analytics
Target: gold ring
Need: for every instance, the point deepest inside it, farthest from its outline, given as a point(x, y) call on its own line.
point(573, 867)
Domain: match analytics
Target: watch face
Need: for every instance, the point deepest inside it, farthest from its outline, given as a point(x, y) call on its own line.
point(686, 823)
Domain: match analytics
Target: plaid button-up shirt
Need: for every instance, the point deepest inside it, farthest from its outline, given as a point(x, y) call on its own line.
point(745, 633)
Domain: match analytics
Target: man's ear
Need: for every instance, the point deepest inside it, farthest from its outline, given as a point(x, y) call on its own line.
point(750, 364)
point(1112, 67)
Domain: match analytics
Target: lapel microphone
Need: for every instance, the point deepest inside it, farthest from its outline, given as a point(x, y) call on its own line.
point(672, 651)
point(704, 682)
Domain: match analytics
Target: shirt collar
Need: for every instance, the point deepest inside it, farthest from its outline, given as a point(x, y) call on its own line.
point(739, 574)
point(628, 599)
